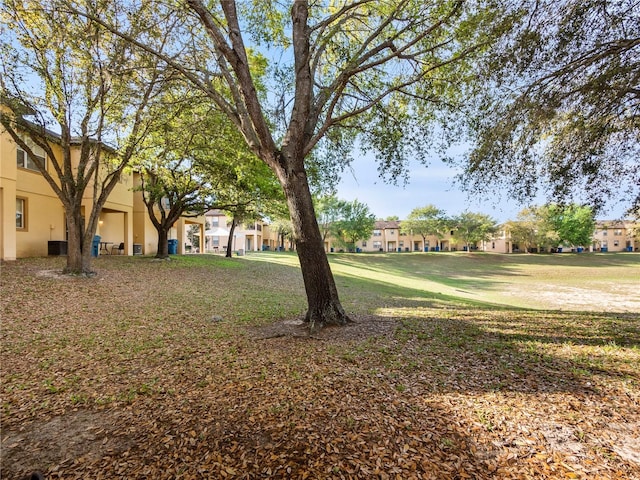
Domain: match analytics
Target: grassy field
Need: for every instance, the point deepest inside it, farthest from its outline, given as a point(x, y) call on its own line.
point(456, 366)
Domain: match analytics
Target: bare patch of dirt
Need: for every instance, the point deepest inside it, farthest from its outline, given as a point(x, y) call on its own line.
point(78, 435)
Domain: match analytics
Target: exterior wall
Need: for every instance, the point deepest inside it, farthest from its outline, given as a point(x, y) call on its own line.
point(252, 237)
point(501, 243)
point(116, 219)
point(269, 238)
point(123, 218)
point(44, 214)
point(615, 236)
point(8, 178)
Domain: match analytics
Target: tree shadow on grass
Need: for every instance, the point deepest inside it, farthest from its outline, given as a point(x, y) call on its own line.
point(431, 385)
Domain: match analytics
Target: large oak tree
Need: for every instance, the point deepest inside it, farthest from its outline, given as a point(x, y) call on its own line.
point(375, 70)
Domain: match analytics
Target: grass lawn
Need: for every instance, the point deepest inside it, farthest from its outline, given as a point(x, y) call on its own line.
point(456, 366)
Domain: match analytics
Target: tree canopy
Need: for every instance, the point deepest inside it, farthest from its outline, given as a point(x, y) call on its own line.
point(355, 222)
point(533, 229)
point(426, 221)
point(471, 228)
point(558, 109)
point(378, 71)
point(574, 224)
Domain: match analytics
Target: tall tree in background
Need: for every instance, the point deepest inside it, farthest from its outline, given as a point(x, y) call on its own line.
point(70, 76)
point(574, 224)
point(194, 160)
point(328, 209)
point(173, 189)
point(533, 229)
point(560, 105)
point(376, 70)
point(355, 223)
point(426, 221)
point(471, 228)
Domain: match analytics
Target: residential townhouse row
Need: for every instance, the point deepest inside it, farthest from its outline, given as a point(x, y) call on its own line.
point(32, 222)
point(387, 236)
point(609, 236)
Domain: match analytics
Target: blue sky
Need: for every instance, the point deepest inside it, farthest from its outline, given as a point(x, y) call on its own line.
point(433, 184)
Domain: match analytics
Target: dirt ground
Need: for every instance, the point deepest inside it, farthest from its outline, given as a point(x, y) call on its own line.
point(156, 391)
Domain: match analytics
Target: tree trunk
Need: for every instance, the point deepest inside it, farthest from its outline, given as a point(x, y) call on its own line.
point(79, 244)
point(163, 243)
point(324, 306)
point(230, 239)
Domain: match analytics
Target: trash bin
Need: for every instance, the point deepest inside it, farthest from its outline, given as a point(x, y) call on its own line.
point(629, 248)
point(437, 249)
point(358, 249)
point(240, 252)
point(559, 249)
point(173, 246)
point(331, 249)
point(137, 249)
point(95, 246)
point(604, 249)
point(580, 249)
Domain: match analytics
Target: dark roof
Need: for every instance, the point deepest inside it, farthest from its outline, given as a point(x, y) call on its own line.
point(387, 224)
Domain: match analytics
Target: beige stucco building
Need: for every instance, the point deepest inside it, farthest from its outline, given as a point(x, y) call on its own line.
point(616, 236)
point(388, 236)
point(250, 236)
point(32, 218)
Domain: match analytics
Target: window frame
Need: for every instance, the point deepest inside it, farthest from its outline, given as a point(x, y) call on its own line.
point(23, 213)
point(26, 159)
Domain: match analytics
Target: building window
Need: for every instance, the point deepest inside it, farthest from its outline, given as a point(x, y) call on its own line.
point(391, 232)
point(215, 221)
point(216, 241)
point(493, 244)
point(25, 161)
point(604, 232)
point(401, 244)
point(616, 243)
point(377, 245)
point(21, 214)
point(364, 243)
point(617, 232)
point(377, 233)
